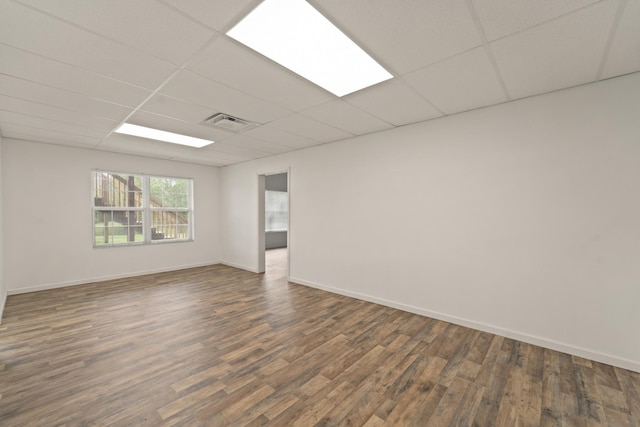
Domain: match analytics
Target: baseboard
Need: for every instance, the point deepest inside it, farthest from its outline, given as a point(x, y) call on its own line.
point(3, 300)
point(240, 266)
point(530, 339)
point(104, 278)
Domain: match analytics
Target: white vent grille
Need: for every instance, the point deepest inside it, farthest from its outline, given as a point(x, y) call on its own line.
point(228, 123)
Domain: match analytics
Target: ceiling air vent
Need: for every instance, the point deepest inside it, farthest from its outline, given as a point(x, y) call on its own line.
point(228, 123)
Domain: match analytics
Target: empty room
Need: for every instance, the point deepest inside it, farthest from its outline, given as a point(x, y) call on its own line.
point(319, 212)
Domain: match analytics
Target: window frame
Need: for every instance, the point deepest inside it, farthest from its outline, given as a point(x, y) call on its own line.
point(146, 210)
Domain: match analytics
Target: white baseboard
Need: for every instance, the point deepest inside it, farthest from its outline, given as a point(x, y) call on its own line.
point(3, 301)
point(103, 278)
point(240, 266)
point(531, 339)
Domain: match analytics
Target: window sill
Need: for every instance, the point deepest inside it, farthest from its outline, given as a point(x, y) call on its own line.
point(153, 242)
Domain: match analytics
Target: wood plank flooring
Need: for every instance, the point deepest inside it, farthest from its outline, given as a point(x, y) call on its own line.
point(216, 346)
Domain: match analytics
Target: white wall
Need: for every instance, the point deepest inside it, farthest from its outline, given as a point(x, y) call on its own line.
point(3, 291)
point(277, 182)
point(521, 219)
point(275, 239)
point(48, 217)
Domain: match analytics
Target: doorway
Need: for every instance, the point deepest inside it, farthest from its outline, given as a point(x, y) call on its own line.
point(274, 234)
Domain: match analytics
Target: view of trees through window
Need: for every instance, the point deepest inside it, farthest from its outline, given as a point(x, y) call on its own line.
point(169, 200)
point(123, 202)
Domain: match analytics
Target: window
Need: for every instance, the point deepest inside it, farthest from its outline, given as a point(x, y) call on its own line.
point(117, 208)
point(276, 212)
point(138, 209)
point(170, 210)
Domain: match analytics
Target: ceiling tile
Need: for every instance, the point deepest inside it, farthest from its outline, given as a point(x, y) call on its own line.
point(240, 67)
point(461, 83)
point(186, 154)
point(48, 136)
point(176, 108)
point(248, 141)
point(393, 101)
point(213, 155)
point(133, 152)
point(500, 18)
point(624, 54)
point(28, 66)
point(309, 128)
point(210, 158)
point(189, 86)
point(218, 14)
point(11, 118)
point(17, 105)
point(277, 136)
point(405, 35)
point(66, 43)
point(141, 24)
point(345, 116)
point(138, 146)
point(561, 53)
point(231, 148)
point(30, 91)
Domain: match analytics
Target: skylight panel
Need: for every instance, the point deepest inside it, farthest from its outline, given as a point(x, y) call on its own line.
point(161, 135)
point(295, 35)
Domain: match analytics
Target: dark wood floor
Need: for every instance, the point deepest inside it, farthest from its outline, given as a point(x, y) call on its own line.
point(220, 346)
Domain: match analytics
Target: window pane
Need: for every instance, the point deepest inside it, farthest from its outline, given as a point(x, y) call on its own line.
point(157, 225)
point(169, 192)
point(155, 200)
point(117, 227)
point(137, 233)
point(276, 211)
point(101, 235)
point(183, 232)
point(101, 221)
point(117, 190)
point(169, 225)
point(135, 199)
point(182, 200)
point(102, 217)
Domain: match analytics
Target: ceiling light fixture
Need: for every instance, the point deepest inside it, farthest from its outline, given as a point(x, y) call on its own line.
point(161, 135)
point(295, 35)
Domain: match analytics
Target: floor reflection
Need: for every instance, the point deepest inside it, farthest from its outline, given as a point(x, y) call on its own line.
point(275, 285)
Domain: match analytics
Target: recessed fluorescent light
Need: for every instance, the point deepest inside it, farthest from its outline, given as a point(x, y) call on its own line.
point(161, 135)
point(297, 36)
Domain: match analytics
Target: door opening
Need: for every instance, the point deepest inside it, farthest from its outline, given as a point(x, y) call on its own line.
point(274, 238)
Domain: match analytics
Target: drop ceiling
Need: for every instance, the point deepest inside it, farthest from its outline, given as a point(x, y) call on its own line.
point(71, 71)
